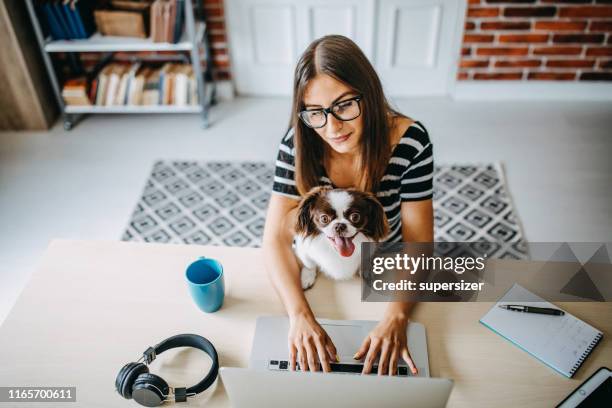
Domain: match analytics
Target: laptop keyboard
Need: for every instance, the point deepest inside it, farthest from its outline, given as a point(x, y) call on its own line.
point(339, 368)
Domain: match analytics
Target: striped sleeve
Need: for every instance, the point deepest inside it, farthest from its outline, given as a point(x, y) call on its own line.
point(417, 179)
point(284, 172)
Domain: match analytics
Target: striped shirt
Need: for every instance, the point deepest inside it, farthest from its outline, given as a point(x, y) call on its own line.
point(408, 177)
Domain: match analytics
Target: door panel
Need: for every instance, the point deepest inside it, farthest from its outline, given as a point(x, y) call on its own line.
point(272, 35)
point(410, 23)
point(415, 53)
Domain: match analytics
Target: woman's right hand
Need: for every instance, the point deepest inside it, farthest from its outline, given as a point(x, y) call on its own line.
point(309, 344)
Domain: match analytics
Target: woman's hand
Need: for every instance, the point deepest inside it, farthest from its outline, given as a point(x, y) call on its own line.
point(309, 344)
point(389, 340)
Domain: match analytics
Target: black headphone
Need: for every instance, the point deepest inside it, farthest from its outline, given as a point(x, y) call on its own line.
point(135, 381)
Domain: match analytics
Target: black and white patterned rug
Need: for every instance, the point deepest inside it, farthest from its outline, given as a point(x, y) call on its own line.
point(224, 203)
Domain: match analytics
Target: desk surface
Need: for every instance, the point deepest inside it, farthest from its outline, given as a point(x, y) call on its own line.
point(91, 307)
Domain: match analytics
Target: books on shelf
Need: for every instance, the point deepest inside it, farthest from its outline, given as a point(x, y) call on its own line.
point(67, 19)
point(160, 20)
point(124, 84)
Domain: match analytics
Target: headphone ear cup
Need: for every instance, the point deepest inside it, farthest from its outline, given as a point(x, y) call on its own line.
point(126, 377)
point(150, 390)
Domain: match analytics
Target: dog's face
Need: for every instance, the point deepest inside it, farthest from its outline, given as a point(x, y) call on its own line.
point(341, 214)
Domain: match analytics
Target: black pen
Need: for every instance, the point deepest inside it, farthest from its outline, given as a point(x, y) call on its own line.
point(533, 309)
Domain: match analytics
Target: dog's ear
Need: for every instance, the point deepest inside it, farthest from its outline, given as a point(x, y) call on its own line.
point(377, 226)
point(305, 225)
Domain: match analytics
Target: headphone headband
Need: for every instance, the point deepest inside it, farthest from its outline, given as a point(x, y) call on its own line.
point(188, 340)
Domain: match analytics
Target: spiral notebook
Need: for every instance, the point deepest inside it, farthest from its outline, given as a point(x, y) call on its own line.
point(561, 342)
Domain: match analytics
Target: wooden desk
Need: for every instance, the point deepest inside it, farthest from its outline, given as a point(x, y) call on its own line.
point(93, 306)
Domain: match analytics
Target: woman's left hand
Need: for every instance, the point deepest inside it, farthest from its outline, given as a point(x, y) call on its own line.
point(388, 339)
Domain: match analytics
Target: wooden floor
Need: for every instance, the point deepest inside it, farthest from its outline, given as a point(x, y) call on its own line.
point(83, 184)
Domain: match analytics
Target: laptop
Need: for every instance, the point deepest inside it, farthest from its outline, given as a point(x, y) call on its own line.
point(268, 382)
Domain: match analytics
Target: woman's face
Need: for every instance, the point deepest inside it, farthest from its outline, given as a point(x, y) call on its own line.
point(342, 136)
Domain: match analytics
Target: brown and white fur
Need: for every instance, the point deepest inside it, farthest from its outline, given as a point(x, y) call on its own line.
point(331, 226)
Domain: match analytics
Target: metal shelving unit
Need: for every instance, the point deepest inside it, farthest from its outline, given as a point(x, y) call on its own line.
point(193, 38)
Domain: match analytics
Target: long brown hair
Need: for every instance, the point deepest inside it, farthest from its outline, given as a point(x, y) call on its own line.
point(340, 58)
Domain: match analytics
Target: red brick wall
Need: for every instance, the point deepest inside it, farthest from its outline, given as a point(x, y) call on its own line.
point(215, 20)
point(563, 40)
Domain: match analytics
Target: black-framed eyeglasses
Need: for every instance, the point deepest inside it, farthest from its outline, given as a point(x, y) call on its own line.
point(345, 110)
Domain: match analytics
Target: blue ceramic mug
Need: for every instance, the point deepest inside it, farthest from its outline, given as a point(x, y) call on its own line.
point(206, 284)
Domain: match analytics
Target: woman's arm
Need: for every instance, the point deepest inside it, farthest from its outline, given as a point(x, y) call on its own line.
point(280, 261)
point(307, 339)
point(389, 337)
point(417, 221)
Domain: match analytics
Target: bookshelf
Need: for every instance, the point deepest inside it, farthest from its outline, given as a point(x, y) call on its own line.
point(194, 38)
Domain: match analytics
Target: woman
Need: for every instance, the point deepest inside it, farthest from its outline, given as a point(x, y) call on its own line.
point(344, 133)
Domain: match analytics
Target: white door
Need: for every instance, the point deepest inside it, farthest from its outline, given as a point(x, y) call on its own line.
point(417, 45)
point(266, 38)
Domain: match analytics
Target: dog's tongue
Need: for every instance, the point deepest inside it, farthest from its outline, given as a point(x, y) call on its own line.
point(344, 245)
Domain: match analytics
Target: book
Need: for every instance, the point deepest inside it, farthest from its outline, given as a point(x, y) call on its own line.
point(81, 15)
point(74, 92)
point(180, 89)
point(165, 80)
point(57, 31)
point(122, 89)
point(166, 13)
point(59, 19)
point(150, 94)
point(561, 342)
point(172, 86)
point(178, 22)
point(93, 90)
point(181, 85)
point(84, 16)
point(171, 21)
point(111, 88)
point(156, 23)
point(58, 10)
point(68, 17)
point(131, 80)
point(114, 78)
point(100, 91)
point(103, 77)
point(76, 18)
point(137, 90)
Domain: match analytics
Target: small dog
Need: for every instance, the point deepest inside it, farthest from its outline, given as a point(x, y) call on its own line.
point(331, 225)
